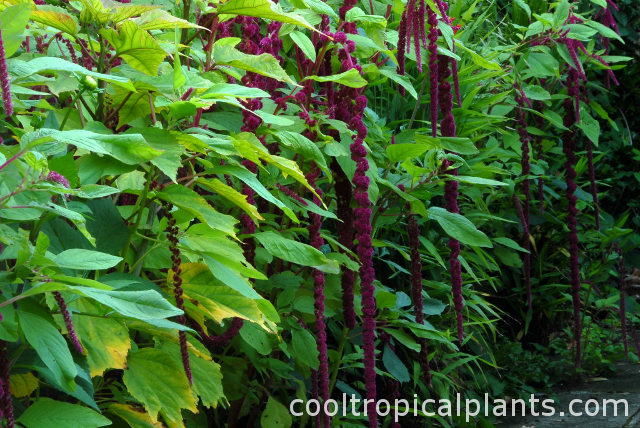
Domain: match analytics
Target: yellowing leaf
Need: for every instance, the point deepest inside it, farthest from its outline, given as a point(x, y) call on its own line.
point(58, 20)
point(136, 47)
point(23, 384)
point(159, 19)
point(136, 418)
point(159, 383)
point(217, 301)
point(106, 341)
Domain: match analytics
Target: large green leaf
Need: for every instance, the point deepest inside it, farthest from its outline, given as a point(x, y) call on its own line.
point(48, 413)
point(264, 9)
point(190, 201)
point(350, 78)
point(459, 227)
point(136, 47)
point(275, 415)
point(46, 340)
point(13, 21)
point(157, 381)
point(130, 149)
point(232, 195)
point(207, 378)
point(225, 53)
point(23, 69)
point(303, 146)
point(294, 251)
point(85, 260)
point(252, 181)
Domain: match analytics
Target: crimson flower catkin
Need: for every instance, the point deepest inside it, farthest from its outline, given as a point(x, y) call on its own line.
point(66, 316)
point(416, 290)
point(172, 236)
point(5, 372)
point(569, 148)
point(448, 129)
point(4, 80)
point(316, 241)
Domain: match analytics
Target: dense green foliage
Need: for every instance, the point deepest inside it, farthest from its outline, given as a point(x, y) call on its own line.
point(189, 189)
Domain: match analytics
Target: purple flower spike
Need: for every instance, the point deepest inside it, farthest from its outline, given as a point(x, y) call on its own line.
point(4, 81)
point(67, 321)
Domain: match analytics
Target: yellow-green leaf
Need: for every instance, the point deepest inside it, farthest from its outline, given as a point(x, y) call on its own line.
point(136, 47)
point(232, 195)
point(58, 20)
point(106, 340)
point(136, 418)
point(23, 384)
point(159, 19)
point(157, 381)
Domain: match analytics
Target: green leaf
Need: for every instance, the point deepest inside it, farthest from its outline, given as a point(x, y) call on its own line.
point(275, 415)
point(477, 59)
point(459, 227)
point(207, 377)
point(257, 338)
point(350, 78)
point(589, 125)
point(13, 21)
point(267, 65)
point(41, 333)
point(303, 146)
point(134, 416)
point(188, 200)
point(304, 43)
point(561, 13)
point(305, 348)
point(159, 19)
point(157, 381)
point(264, 9)
point(252, 181)
point(23, 69)
point(293, 251)
point(222, 90)
point(232, 195)
point(48, 413)
point(478, 180)
point(403, 81)
point(131, 149)
point(507, 242)
point(80, 259)
point(142, 305)
point(394, 365)
point(136, 47)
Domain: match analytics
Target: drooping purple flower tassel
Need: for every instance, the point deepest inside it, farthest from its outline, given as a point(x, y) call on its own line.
point(416, 290)
point(4, 81)
point(448, 129)
point(433, 70)
point(67, 321)
point(569, 148)
point(172, 236)
point(526, 170)
point(316, 241)
point(5, 373)
point(622, 280)
point(344, 228)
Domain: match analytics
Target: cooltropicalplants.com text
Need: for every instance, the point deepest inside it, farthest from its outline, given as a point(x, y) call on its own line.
point(468, 408)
